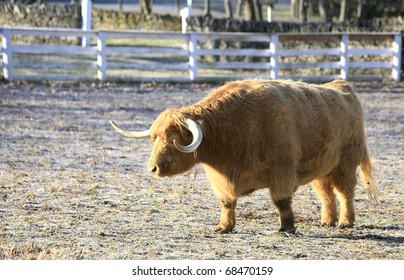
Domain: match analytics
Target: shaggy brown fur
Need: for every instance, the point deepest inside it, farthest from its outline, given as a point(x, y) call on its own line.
point(276, 135)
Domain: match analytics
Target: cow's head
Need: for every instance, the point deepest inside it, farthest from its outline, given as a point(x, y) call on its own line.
point(175, 139)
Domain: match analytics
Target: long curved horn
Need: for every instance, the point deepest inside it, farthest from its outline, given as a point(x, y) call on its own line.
point(196, 131)
point(131, 134)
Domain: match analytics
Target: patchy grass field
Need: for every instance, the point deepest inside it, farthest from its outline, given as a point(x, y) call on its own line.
point(72, 188)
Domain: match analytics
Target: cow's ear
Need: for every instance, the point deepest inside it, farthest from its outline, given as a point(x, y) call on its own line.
point(182, 136)
point(193, 137)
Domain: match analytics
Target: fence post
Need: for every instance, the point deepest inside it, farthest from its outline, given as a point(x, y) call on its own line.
point(273, 49)
point(344, 60)
point(193, 62)
point(101, 57)
point(86, 8)
point(185, 13)
point(269, 13)
point(7, 55)
point(397, 45)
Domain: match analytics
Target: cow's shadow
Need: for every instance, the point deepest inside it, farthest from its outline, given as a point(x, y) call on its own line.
point(369, 236)
point(376, 237)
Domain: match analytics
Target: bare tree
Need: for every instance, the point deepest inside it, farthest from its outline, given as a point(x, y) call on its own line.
point(294, 8)
point(146, 6)
point(252, 9)
point(343, 11)
point(368, 9)
point(228, 8)
point(303, 7)
point(177, 6)
point(239, 8)
point(258, 9)
point(359, 9)
point(207, 7)
point(323, 8)
point(120, 4)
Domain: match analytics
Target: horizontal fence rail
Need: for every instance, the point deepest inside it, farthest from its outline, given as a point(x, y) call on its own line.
point(194, 56)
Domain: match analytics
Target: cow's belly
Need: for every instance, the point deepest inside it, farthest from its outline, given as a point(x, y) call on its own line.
point(282, 178)
point(312, 169)
point(272, 179)
point(247, 184)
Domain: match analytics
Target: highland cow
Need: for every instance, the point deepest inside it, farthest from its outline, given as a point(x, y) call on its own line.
point(275, 134)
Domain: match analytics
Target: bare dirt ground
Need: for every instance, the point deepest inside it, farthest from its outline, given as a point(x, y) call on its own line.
point(72, 188)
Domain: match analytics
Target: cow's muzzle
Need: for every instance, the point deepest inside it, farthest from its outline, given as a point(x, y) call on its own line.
point(160, 169)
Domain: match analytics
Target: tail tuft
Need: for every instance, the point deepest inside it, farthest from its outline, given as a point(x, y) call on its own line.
point(367, 177)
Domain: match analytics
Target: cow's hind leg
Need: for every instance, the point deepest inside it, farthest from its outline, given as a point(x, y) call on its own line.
point(286, 215)
point(344, 182)
point(324, 190)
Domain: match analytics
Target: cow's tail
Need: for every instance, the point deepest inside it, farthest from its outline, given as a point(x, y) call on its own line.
point(366, 173)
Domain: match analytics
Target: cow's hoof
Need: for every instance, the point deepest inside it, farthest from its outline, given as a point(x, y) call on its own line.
point(223, 230)
point(345, 225)
point(291, 230)
point(328, 224)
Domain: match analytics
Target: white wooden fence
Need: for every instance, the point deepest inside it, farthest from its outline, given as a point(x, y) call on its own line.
point(186, 58)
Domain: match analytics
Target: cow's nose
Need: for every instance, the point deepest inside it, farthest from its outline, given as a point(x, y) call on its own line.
point(159, 168)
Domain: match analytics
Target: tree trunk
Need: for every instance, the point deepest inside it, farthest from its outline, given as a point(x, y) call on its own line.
point(207, 7)
point(177, 7)
point(258, 9)
point(294, 8)
point(228, 8)
point(249, 12)
point(343, 11)
point(253, 10)
point(146, 6)
point(239, 8)
point(359, 9)
point(120, 4)
point(303, 7)
point(323, 10)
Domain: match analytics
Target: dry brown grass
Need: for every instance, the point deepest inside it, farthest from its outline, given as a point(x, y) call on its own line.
point(71, 188)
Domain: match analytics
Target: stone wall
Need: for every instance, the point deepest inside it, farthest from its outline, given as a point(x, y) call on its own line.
point(69, 16)
point(108, 20)
point(40, 15)
point(208, 23)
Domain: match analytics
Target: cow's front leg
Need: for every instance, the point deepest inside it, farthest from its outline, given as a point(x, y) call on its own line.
point(224, 190)
point(286, 215)
point(227, 217)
